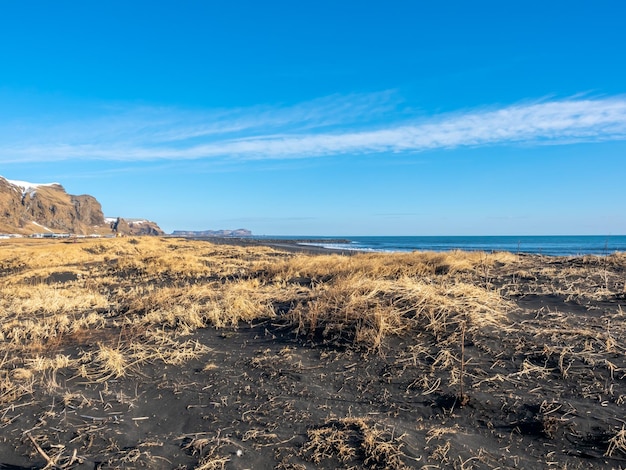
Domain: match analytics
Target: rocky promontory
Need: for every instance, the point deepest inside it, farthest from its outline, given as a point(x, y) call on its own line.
point(46, 208)
point(240, 232)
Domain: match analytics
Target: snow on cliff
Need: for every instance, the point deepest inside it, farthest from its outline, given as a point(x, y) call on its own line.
point(27, 187)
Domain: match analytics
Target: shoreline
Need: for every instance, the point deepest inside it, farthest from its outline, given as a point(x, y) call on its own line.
point(292, 246)
point(313, 246)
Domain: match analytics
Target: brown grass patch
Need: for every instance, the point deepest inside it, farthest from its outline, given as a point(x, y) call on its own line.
point(352, 443)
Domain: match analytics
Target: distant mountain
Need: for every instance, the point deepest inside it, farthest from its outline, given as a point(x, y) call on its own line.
point(46, 208)
point(240, 232)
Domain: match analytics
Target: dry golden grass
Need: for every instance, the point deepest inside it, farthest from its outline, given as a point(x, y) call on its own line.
point(385, 266)
point(129, 301)
point(466, 325)
point(148, 284)
point(372, 309)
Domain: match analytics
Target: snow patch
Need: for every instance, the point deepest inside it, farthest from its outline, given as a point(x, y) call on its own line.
point(28, 188)
point(42, 226)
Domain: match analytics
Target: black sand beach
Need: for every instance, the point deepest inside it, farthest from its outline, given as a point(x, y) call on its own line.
point(368, 361)
point(293, 245)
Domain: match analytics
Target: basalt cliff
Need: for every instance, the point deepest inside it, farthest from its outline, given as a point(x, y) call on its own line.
point(32, 208)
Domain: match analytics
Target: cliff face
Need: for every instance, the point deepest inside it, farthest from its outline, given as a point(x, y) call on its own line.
point(27, 208)
point(38, 208)
point(10, 205)
point(135, 227)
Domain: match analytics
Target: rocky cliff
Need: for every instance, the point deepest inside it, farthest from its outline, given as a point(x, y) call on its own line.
point(28, 208)
point(135, 227)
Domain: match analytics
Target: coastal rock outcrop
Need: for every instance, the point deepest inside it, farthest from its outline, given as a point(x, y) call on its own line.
point(33, 208)
point(135, 227)
point(240, 232)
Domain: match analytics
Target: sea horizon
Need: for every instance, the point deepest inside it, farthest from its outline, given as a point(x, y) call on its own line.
point(553, 245)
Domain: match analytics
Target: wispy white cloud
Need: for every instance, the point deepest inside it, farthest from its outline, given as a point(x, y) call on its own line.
point(355, 125)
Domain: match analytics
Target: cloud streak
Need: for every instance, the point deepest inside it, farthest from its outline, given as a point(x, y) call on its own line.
point(354, 125)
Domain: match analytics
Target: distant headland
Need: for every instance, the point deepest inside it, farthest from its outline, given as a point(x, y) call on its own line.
point(240, 232)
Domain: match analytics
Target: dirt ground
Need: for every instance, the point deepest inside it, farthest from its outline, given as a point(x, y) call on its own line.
point(545, 389)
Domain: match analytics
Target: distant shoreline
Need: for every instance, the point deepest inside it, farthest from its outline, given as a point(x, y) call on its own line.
point(293, 246)
point(558, 245)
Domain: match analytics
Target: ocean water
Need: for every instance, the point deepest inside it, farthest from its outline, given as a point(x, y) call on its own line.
point(568, 245)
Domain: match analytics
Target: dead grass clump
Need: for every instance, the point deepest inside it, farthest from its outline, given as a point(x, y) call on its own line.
point(41, 363)
point(212, 462)
point(245, 300)
point(200, 305)
point(10, 391)
point(357, 309)
point(183, 315)
point(368, 310)
point(383, 265)
point(159, 346)
point(617, 443)
point(209, 450)
point(354, 442)
point(39, 333)
point(113, 361)
point(43, 298)
point(124, 359)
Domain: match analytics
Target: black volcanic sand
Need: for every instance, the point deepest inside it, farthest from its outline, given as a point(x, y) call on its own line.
point(250, 402)
point(291, 245)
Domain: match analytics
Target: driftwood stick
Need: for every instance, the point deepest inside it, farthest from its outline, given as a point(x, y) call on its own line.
point(51, 462)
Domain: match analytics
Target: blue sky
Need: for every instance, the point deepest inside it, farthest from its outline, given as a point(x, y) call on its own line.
point(324, 117)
